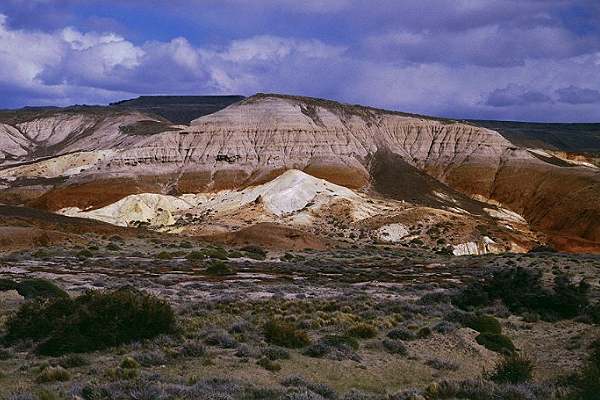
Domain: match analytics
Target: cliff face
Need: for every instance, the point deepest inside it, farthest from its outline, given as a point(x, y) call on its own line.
point(403, 156)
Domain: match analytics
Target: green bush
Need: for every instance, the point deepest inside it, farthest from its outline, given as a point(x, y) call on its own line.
point(195, 255)
point(424, 332)
point(287, 257)
point(483, 324)
point(93, 321)
point(85, 254)
point(254, 252)
point(340, 340)
point(522, 291)
point(401, 334)
point(514, 368)
point(586, 383)
point(362, 331)
point(40, 254)
point(112, 247)
point(218, 253)
point(5, 354)
point(34, 288)
point(164, 255)
point(284, 334)
point(219, 268)
point(496, 342)
point(7, 284)
point(234, 254)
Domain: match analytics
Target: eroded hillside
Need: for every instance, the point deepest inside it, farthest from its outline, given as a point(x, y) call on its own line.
point(442, 164)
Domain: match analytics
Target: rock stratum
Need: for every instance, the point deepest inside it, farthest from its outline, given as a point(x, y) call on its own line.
point(394, 176)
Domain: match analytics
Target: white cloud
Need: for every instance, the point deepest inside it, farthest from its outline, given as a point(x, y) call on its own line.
point(272, 48)
point(418, 71)
point(83, 41)
point(23, 55)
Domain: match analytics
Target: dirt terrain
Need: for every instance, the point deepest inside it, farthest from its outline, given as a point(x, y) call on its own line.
point(325, 292)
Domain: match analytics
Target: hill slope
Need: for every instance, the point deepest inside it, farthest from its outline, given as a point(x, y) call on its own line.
point(421, 160)
point(178, 109)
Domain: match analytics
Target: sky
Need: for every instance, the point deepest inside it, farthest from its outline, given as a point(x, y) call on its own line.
point(528, 60)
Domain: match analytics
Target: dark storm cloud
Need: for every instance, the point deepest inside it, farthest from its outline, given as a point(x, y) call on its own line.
point(514, 95)
point(577, 95)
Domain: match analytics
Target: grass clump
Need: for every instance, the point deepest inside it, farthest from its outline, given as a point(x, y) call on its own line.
point(362, 331)
point(269, 365)
point(274, 353)
point(285, 335)
point(394, 346)
point(221, 339)
point(93, 321)
point(151, 358)
point(193, 348)
point(338, 347)
point(53, 374)
point(46, 394)
point(129, 363)
point(514, 368)
point(73, 361)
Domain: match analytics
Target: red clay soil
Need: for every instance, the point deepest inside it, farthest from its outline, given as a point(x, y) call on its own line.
point(353, 178)
point(97, 193)
point(21, 238)
point(271, 236)
point(573, 244)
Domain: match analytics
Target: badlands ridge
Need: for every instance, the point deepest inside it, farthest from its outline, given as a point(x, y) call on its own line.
point(342, 172)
